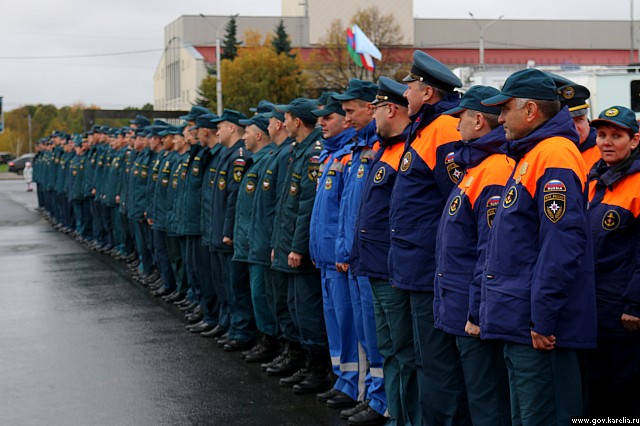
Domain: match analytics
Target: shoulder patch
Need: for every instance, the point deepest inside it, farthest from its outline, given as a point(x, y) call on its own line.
point(555, 185)
point(492, 205)
point(554, 206)
point(239, 162)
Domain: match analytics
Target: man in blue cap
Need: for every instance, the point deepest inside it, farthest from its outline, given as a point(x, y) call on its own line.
point(241, 331)
point(291, 248)
point(574, 97)
point(257, 141)
point(538, 292)
point(426, 177)
point(338, 313)
point(357, 103)
point(370, 254)
point(461, 243)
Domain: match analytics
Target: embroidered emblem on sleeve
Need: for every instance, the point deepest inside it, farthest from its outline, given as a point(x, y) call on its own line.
point(555, 201)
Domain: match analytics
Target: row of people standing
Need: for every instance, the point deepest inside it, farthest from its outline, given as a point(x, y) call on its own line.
point(436, 254)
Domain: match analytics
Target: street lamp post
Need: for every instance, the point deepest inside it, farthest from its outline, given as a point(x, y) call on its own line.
point(218, 70)
point(482, 28)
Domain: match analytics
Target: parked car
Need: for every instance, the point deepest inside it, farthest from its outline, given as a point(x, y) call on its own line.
point(17, 165)
point(5, 157)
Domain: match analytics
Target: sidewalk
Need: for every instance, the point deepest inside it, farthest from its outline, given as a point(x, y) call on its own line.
point(10, 176)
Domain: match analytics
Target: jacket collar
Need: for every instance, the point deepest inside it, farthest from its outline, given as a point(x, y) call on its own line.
point(468, 154)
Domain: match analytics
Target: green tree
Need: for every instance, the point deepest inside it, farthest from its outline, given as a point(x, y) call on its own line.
point(230, 44)
point(281, 42)
point(257, 73)
point(331, 67)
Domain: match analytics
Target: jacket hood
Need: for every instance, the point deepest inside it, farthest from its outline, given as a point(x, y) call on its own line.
point(337, 142)
point(428, 112)
point(468, 154)
point(560, 125)
point(368, 136)
point(590, 142)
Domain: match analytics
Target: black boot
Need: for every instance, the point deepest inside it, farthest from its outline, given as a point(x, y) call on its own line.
point(299, 375)
point(319, 378)
point(268, 350)
point(290, 363)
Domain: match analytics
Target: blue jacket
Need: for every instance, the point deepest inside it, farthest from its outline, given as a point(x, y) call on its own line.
point(614, 209)
point(231, 168)
point(271, 184)
point(371, 246)
point(464, 230)
point(174, 202)
point(539, 269)
point(190, 191)
point(426, 177)
point(160, 205)
point(293, 212)
point(245, 213)
point(355, 178)
point(138, 185)
point(208, 189)
point(325, 215)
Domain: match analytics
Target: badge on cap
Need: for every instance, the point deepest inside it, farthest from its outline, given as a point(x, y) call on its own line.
point(611, 112)
point(568, 92)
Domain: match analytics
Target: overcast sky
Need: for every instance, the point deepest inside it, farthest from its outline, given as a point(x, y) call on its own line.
point(38, 39)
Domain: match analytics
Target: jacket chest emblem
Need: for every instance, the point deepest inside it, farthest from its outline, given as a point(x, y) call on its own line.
point(380, 173)
point(293, 189)
point(610, 220)
point(222, 184)
point(405, 163)
point(511, 197)
point(266, 184)
point(360, 171)
point(328, 184)
point(455, 205)
point(250, 187)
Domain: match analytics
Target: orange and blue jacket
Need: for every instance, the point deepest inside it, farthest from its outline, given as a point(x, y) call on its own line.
point(362, 155)
point(371, 244)
point(539, 269)
point(614, 207)
point(464, 230)
point(589, 150)
point(426, 176)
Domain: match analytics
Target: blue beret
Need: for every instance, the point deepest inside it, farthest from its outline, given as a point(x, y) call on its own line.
point(429, 70)
point(574, 97)
point(390, 91)
point(231, 116)
point(195, 112)
point(528, 84)
point(140, 121)
point(358, 89)
point(472, 100)
point(261, 121)
point(300, 108)
point(619, 116)
point(331, 106)
point(263, 106)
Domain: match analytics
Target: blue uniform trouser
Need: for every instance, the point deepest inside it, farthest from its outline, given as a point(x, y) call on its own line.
point(443, 395)
point(309, 317)
point(142, 248)
point(546, 387)
point(184, 282)
point(394, 330)
point(486, 379)
point(191, 263)
point(365, 324)
point(107, 217)
point(118, 230)
point(127, 232)
point(265, 320)
point(162, 258)
point(98, 221)
point(278, 294)
point(208, 299)
point(177, 263)
point(243, 324)
point(83, 217)
point(220, 276)
point(341, 331)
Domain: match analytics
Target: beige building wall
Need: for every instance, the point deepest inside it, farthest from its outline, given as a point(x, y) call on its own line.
point(322, 12)
point(177, 78)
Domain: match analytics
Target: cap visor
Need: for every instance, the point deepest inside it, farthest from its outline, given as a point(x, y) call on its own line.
point(454, 111)
point(496, 100)
point(186, 117)
point(244, 122)
point(320, 112)
point(409, 78)
point(344, 97)
point(603, 122)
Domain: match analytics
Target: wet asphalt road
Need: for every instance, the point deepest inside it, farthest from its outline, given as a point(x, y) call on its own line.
point(82, 344)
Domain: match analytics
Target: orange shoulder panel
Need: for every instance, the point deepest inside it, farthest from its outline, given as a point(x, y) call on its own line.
point(440, 131)
point(553, 152)
point(625, 194)
point(494, 170)
point(392, 155)
point(345, 159)
point(592, 190)
point(591, 157)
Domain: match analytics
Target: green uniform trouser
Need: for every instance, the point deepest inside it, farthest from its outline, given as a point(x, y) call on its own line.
point(265, 320)
point(394, 329)
point(278, 297)
point(545, 386)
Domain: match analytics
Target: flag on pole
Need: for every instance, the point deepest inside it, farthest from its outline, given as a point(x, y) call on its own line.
point(361, 49)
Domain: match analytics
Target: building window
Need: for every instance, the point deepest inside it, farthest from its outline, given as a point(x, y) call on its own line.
point(635, 95)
